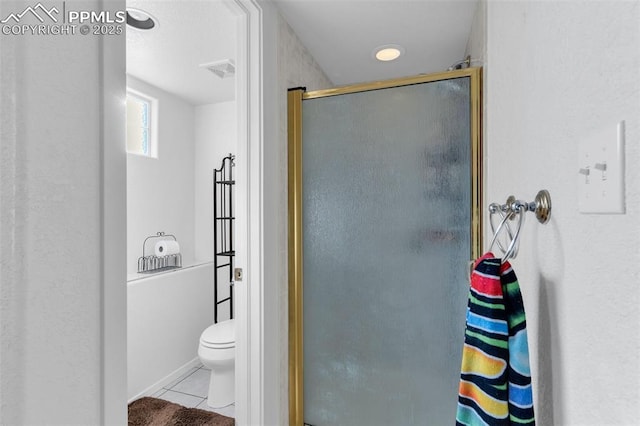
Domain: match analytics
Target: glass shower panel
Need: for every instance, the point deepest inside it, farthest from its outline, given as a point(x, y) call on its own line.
point(386, 232)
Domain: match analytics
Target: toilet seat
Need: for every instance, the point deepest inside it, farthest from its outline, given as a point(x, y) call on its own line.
point(215, 346)
point(219, 336)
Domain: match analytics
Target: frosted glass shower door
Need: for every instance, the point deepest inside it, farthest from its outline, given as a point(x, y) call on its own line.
point(386, 214)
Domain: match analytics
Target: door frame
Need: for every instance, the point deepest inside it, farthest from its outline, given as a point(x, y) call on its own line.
point(248, 290)
point(296, 288)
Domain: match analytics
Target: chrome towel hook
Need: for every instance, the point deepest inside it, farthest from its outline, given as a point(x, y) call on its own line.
point(511, 210)
point(543, 206)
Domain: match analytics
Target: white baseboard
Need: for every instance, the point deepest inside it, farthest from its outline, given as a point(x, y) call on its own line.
point(194, 363)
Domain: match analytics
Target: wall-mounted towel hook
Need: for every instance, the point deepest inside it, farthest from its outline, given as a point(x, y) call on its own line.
point(543, 206)
point(513, 208)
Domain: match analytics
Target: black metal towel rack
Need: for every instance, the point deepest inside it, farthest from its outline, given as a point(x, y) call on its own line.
point(223, 227)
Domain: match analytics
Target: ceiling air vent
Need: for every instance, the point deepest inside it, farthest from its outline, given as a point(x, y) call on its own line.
point(222, 69)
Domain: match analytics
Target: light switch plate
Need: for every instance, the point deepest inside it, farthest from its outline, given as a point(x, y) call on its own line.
point(601, 171)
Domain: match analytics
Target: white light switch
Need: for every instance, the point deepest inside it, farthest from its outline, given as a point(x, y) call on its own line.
point(601, 171)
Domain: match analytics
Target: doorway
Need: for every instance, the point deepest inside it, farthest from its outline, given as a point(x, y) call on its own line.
point(250, 64)
point(384, 217)
point(181, 123)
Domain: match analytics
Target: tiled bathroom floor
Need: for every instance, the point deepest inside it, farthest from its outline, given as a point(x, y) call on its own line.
point(190, 390)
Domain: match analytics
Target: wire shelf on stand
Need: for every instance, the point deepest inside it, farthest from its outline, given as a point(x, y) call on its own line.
point(223, 227)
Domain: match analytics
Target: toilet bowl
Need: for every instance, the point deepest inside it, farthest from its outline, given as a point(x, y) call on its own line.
point(217, 351)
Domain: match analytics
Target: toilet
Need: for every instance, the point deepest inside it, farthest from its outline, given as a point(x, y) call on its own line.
point(217, 351)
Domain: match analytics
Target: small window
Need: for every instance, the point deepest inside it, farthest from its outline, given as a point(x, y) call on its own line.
point(141, 135)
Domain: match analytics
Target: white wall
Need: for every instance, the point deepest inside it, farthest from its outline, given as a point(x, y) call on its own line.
point(215, 137)
point(477, 42)
point(477, 50)
point(166, 315)
point(160, 191)
point(216, 129)
point(52, 186)
point(555, 72)
point(296, 67)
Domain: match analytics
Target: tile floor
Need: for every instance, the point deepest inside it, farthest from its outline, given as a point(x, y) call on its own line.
point(190, 390)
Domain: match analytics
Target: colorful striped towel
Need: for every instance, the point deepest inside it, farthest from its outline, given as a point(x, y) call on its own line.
point(495, 380)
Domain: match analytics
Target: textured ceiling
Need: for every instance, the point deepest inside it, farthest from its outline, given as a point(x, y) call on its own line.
point(341, 35)
point(189, 33)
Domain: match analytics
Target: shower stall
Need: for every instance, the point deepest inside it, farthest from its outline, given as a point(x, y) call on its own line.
point(384, 187)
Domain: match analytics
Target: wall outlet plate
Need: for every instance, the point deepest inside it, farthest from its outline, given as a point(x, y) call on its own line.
point(601, 172)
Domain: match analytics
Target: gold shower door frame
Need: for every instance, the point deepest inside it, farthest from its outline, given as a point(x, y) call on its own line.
point(295, 98)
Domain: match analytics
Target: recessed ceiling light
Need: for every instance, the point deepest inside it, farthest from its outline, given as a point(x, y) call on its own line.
point(140, 20)
point(388, 52)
